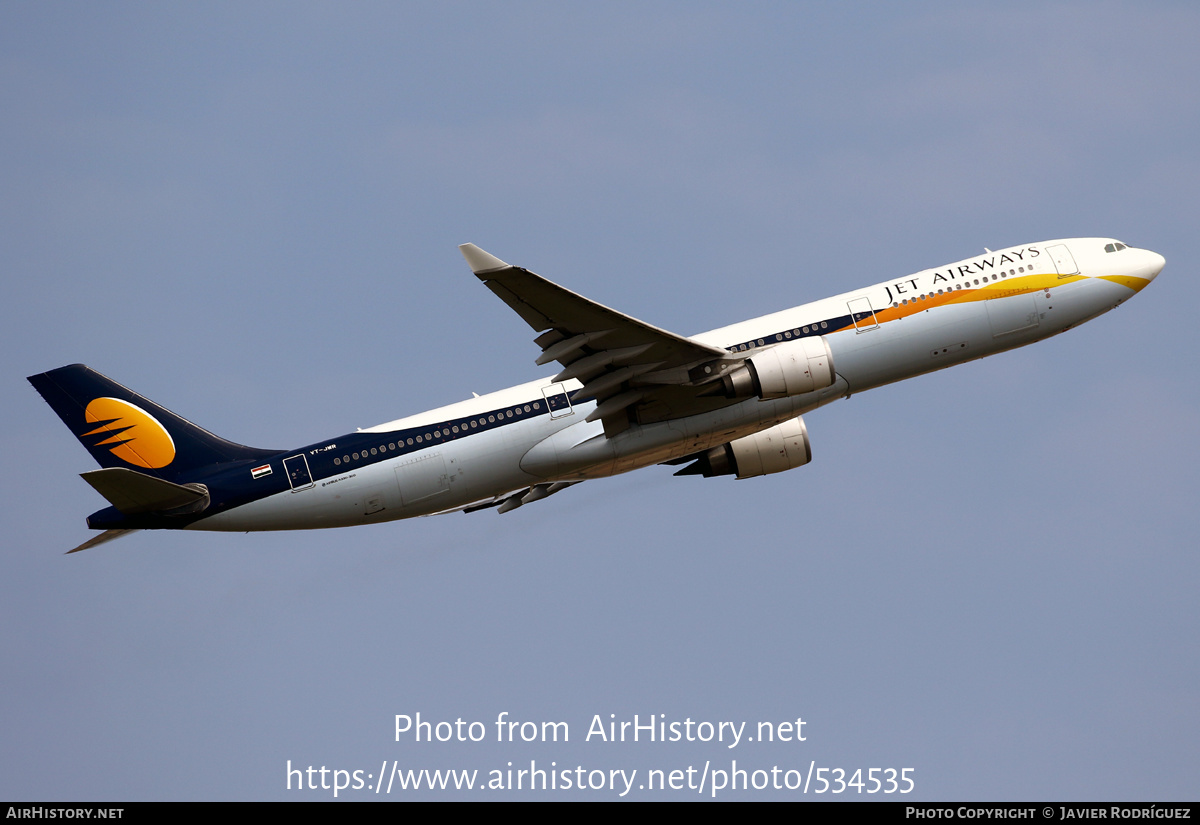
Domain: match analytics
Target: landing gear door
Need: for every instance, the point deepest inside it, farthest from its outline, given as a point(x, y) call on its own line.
point(422, 477)
point(296, 468)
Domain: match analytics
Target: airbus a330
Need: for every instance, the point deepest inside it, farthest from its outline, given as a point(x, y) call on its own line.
point(628, 395)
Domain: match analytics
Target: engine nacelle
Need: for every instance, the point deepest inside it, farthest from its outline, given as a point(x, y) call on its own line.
point(792, 368)
point(780, 448)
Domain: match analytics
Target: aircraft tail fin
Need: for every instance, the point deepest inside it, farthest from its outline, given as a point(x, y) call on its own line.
point(122, 429)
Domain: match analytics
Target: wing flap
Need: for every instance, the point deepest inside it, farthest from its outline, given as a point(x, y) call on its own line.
point(566, 349)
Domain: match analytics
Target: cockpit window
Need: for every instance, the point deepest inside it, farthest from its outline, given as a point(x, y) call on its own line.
point(1114, 247)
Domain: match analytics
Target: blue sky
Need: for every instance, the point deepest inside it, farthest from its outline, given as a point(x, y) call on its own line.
point(249, 213)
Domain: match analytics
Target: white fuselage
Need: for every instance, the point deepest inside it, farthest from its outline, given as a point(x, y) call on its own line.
point(888, 332)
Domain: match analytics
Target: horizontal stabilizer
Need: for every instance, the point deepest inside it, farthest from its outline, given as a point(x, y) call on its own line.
point(132, 492)
point(107, 535)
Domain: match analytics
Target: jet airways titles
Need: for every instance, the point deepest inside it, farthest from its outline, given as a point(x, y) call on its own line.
point(972, 269)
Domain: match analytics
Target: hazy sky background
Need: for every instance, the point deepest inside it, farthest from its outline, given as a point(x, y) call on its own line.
point(249, 213)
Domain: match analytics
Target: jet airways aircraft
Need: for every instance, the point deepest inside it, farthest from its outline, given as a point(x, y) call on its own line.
point(628, 395)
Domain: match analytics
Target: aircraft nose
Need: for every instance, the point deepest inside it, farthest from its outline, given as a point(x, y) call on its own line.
point(1154, 265)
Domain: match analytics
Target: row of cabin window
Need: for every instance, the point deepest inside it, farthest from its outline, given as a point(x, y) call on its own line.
point(470, 424)
point(1019, 269)
point(789, 333)
point(779, 337)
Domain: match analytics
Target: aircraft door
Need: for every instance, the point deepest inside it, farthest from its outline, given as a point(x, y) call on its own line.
point(298, 475)
point(863, 314)
point(558, 401)
point(1064, 261)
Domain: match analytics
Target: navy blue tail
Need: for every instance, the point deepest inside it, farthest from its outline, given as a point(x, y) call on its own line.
point(123, 429)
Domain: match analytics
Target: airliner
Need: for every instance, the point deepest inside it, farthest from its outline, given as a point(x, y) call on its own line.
point(628, 395)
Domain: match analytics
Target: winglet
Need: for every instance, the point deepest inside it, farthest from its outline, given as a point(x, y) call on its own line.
point(479, 260)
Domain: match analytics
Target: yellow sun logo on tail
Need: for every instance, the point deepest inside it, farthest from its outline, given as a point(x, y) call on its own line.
point(134, 435)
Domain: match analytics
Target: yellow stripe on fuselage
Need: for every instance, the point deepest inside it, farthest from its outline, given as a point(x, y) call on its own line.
point(1132, 281)
point(1008, 287)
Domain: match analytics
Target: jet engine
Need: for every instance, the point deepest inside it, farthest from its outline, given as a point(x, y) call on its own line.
point(791, 368)
point(780, 448)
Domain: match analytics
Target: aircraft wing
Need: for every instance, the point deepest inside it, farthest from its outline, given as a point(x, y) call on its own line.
point(634, 370)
